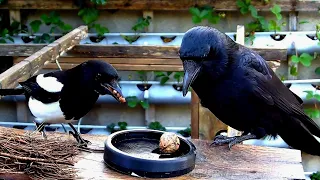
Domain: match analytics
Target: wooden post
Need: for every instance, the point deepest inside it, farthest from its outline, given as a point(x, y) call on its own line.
point(194, 115)
point(31, 65)
point(240, 39)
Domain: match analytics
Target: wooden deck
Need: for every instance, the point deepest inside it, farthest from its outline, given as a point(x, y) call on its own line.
point(242, 162)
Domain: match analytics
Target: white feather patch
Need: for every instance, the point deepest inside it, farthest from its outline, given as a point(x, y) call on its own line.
point(47, 113)
point(317, 138)
point(50, 84)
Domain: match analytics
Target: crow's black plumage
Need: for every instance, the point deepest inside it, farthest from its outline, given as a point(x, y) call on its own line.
point(236, 84)
point(66, 96)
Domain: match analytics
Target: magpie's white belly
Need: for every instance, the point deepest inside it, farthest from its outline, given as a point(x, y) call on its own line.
point(47, 113)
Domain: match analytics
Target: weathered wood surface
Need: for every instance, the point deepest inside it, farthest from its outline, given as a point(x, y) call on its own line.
point(32, 64)
point(126, 51)
point(226, 5)
point(194, 106)
point(242, 162)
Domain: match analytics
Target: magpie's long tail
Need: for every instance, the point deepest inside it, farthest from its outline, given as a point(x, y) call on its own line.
point(8, 92)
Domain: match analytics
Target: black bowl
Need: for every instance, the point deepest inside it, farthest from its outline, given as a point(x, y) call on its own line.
point(136, 152)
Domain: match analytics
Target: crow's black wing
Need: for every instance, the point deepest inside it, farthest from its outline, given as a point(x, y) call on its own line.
point(266, 86)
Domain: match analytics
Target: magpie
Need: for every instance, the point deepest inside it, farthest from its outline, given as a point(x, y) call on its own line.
point(236, 84)
point(68, 95)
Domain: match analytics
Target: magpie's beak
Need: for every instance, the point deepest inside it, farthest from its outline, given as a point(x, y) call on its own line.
point(191, 71)
point(114, 90)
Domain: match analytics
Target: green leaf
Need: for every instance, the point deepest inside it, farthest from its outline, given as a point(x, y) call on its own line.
point(99, 2)
point(293, 71)
point(309, 94)
point(316, 113)
point(194, 11)
point(144, 104)
point(276, 10)
point(304, 22)
point(305, 59)
point(35, 25)
point(46, 19)
point(100, 29)
point(205, 13)
point(254, 12)
point(272, 25)
point(164, 80)
point(317, 97)
point(196, 19)
point(2, 41)
point(317, 70)
point(240, 3)
point(214, 19)
point(88, 15)
point(295, 59)
point(122, 125)
point(169, 73)
point(159, 74)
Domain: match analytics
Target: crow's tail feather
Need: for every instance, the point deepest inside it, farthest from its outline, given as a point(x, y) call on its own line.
point(8, 92)
point(298, 136)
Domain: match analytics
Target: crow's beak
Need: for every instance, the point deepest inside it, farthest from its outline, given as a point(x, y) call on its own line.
point(191, 71)
point(115, 90)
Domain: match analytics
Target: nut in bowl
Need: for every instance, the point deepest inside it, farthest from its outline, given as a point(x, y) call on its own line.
point(169, 143)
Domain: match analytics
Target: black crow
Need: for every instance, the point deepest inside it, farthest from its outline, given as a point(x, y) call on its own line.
point(66, 96)
point(236, 84)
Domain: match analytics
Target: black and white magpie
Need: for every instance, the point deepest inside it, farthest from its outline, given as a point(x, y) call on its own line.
point(66, 96)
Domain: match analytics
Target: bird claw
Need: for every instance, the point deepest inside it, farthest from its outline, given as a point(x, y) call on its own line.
point(81, 142)
point(221, 140)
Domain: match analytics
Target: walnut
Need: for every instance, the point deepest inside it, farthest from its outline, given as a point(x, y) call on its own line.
point(169, 142)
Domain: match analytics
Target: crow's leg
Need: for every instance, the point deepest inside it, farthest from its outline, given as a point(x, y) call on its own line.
point(76, 135)
point(220, 140)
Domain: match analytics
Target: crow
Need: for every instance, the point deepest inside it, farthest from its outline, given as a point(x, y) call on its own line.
point(66, 96)
point(239, 88)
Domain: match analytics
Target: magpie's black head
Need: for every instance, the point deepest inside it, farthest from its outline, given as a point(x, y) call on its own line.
point(104, 77)
point(203, 50)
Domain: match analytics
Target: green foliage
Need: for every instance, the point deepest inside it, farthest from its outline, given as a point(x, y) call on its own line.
point(164, 76)
point(143, 76)
point(317, 70)
point(293, 71)
point(100, 29)
point(89, 15)
point(312, 112)
point(44, 38)
point(35, 26)
point(130, 39)
point(54, 19)
point(312, 95)
point(156, 126)
point(178, 76)
point(186, 132)
point(141, 24)
point(133, 101)
point(5, 36)
point(275, 25)
point(315, 176)
point(99, 2)
point(305, 59)
point(122, 126)
point(206, 12)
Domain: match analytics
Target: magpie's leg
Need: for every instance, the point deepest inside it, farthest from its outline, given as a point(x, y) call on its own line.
point(220, 140)
point(40, 128)
point(76, 135)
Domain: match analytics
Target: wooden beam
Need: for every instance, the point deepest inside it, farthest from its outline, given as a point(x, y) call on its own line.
point(194, 115)
point(28, 67)
point(226, 5)
point(126, 51)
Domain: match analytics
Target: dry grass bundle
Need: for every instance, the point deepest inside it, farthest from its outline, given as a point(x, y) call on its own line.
point(39, 158)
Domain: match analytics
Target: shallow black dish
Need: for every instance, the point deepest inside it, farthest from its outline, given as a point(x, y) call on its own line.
point(135, 152)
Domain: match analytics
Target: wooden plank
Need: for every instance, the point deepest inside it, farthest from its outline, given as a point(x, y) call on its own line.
point(226, 5)
point(126, 51)
point(147, 61)
point(194, 115)
point(124, 67)
point(30, 66)
point(242, 162)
